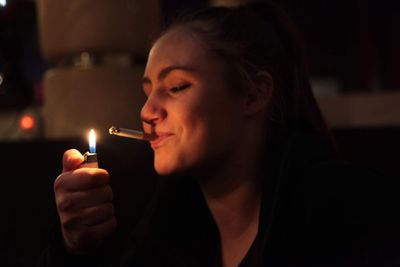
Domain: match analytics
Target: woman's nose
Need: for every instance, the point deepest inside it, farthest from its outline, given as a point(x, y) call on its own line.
point(152, 110)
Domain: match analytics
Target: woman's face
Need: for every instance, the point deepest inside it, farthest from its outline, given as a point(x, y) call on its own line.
point(189, 106)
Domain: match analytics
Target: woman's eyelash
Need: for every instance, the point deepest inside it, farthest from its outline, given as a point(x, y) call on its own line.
point(178, 88)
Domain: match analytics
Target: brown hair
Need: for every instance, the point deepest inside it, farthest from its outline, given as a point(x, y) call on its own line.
point(261, 37)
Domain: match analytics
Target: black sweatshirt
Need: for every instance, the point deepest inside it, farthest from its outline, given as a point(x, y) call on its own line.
point(315, 211)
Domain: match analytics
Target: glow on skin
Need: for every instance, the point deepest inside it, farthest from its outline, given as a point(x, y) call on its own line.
point(189, 105)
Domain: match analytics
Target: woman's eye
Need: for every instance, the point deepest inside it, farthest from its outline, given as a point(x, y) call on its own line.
point(179, 88)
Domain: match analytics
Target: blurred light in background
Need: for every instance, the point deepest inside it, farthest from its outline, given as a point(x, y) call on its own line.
point(21, 71)
point(27, 122)
point(21, 124)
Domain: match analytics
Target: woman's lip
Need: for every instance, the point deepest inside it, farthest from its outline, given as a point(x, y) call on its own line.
point(159, 138)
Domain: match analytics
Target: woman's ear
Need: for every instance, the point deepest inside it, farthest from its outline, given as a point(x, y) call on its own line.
point(260, 94)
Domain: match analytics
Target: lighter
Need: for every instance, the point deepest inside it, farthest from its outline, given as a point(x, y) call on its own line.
point(90, 157)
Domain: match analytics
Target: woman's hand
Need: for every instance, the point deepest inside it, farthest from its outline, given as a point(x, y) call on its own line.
point(84, 204)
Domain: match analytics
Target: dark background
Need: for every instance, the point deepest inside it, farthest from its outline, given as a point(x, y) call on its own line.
point(355, 43)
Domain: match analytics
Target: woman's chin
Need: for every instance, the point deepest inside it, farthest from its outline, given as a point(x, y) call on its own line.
point(169, 169)
point(165, 169)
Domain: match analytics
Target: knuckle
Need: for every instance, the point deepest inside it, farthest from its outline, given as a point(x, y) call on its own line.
point(105, 210)
point(97, 177)
point(86, 178)
point(58, 183)
point(67, 222)
point(65, 204)
point(103, 175)
point(83, 237)
point(72, 221)
point(93, 176)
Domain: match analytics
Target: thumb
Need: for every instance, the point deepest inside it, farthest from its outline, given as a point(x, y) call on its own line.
point(72, 160)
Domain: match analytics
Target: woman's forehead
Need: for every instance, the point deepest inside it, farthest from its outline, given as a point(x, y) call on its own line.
point(179, 46)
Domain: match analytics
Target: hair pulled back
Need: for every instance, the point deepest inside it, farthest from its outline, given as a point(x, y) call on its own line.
point(260, 37)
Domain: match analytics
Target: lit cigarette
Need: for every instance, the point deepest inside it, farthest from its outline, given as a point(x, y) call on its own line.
point(130, 133)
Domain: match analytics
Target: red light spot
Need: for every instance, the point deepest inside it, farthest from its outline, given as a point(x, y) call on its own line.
point(27, 122)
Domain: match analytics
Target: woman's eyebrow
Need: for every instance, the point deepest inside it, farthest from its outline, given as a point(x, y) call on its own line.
point(164, 72)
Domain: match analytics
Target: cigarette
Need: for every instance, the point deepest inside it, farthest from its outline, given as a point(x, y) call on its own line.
point(130, 133)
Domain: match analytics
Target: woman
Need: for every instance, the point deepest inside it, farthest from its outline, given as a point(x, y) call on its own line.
point(242, 139)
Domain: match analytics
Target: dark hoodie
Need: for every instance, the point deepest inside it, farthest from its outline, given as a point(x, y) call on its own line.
point(316, 211)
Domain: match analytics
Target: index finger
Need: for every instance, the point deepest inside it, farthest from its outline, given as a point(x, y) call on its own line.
point(81, 179)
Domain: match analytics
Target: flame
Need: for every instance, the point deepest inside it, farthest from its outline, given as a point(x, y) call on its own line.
point(92, 141)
